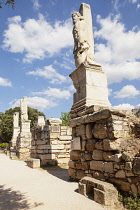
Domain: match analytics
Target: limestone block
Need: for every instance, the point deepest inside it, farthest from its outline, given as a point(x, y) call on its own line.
point(69, 131)
point(109, 167)
point(55, 129)
point(46, 156)
point(100, 130)
point(125, 186)
point(54, 121)
point(134, 189)
point(83, 146)
point(97, 154)
point(54, 135)
point(129, 174)
point(98, 175)
point(107, 156)
point(139, 189)
point(78, 165)
point(63, 160)
point(136, 165)
point(97, 165)
point(59, 146)
point(76, 143)
point(63, 133)
point(102, 192)
point(75, 155)
point(126, 156)
point(44, 147)
point(64, 138)
point(33, 163)
point(85, 165)
point(89, 128)
point(120, 174)
point(88, 156)
point(116, 157)
point(99, 145)
point(90, 145)
point(72, 172)
point(80, 174)
point(64, 155)
point(39, 151)
point(71, 164)
point(128, 166)
point(81, 130)
point(109, 145)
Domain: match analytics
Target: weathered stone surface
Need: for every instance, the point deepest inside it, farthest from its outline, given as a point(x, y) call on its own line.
point(76, 143)
point(102, 192)
point(87, 156)
point(116, 158)
point(100, 130)
point(98, 175)
point(128, 166)
point(54, 121)
point(107, 156)
point(97, 154)
point(97, 165)
point(46, 156)
point(90, 145)
point(64, 138)
point(81, 130)
point(33, 163)
point(109, 145)
point(80, 174)
point(136, 165)
point(109, 167)
point(78, 165)
point(89, 128)
point(75, 155)
point(99, 145)
point(120, 174)
point(134, 189)
point(121, 184)
point(85, 165)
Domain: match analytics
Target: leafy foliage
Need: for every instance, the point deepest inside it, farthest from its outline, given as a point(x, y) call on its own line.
point(65, 117)
point(3, 145)
point(6, 121)
point(8, 2)
point(131, 202)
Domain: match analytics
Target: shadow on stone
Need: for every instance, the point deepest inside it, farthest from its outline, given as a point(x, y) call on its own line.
point(12, 200)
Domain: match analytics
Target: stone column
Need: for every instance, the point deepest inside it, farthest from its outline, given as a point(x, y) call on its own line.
point(25, 137)
point(16, 131)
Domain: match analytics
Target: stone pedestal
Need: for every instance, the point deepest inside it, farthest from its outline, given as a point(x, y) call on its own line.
point(90, 83)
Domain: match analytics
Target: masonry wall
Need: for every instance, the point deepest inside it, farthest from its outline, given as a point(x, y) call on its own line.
point(51, 144)
point(106, 146)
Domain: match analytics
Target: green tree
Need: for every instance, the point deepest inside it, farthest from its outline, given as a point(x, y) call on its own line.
point(6, 121)
point(8, 2)
point(65, 117)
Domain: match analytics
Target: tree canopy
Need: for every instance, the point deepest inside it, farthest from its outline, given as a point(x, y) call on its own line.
point(6, 121)
point(65, 117)
point(8, 2)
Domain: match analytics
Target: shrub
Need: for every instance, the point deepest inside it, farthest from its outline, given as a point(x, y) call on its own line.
point(131, 202)
point(3, 145)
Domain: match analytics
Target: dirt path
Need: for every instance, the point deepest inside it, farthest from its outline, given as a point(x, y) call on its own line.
point(24, 188)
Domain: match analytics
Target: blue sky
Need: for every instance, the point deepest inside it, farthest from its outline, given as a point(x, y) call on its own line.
point(36, 57)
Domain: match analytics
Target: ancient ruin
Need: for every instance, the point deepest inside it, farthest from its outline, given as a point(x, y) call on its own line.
point(106, 141)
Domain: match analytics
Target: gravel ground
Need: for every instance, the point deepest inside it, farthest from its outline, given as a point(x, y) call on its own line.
point(22, 187)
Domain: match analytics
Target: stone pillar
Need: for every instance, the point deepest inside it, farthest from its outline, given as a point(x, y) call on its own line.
point(40, 121)
point(25, 137)
point(16, 131)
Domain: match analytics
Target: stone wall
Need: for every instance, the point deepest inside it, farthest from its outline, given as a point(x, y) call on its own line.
point(51, 143)
point(106, 146)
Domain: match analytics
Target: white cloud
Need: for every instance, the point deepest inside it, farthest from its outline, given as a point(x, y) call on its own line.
point(120, 52)
point(54, 93)
point(133, 1)
point(48, 72)
point(124, 106)
point(37, 39)
point(36, 4)
point(128, 91)
point(35, 102)
point(5, 82)
point(138, 6)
